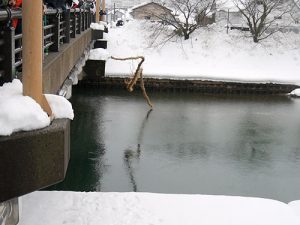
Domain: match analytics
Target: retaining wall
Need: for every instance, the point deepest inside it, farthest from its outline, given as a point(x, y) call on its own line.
point(201, 86)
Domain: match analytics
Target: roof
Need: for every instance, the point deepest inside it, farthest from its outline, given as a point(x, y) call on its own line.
point(148, 3)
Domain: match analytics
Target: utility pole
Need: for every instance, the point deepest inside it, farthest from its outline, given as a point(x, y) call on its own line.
point(33, 47)
point(97, 10)
point(114, 12)
point(227, 21)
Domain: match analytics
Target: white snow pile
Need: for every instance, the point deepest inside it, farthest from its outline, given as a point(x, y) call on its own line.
point(295, 92)
point(22, 113)
point(97, 26)
point(73, 208)
point(61, 107)
point(103, 23)
point(295, 206)
point(77, 69)
point(209, 54)
point(99, 54)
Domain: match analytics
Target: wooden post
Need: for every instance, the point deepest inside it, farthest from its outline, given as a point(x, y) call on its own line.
point(103, 11)
point(7, 65)
point(97, 10)
point(73, 16)
point(67, 17)
point(32, 27)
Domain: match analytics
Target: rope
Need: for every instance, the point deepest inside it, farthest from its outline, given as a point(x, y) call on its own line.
point(137, 74)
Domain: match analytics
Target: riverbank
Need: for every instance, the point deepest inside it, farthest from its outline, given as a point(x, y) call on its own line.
point(82, 208)
point(209, 55)
point(199, 86)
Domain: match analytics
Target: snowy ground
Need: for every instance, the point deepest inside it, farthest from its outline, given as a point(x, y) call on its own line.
point(56, 208)
point(209, 54)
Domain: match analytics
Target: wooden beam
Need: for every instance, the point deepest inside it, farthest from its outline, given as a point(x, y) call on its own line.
point(32, 26)
point(97, 10)
point(103, 10)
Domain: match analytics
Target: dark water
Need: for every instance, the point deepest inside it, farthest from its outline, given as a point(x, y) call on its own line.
point(189, 143)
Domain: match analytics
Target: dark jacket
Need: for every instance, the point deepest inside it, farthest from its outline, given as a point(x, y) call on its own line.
point(56, 3)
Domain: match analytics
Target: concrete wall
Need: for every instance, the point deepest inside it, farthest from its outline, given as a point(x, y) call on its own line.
point(33, 160)
point(199, 86)
point(58, 65)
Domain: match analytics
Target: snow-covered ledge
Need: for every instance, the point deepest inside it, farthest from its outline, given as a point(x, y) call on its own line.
point(97, 26)
point(295, 93)
point(36, 158)
point(22, 113)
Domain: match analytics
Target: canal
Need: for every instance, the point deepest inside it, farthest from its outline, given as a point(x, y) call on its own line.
point(189, 143)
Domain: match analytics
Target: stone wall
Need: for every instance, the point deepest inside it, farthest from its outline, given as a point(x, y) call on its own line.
point(200, 86)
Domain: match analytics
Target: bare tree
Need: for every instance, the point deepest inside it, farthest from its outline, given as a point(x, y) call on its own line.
point(262, 16)
point(186, 15)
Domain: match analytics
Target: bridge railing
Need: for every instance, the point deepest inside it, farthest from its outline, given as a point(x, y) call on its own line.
point(59, 27)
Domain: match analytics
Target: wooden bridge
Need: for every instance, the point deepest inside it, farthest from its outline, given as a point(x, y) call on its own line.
point(36, 159)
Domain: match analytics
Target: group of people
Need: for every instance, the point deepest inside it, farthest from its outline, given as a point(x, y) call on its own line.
point(54, 4)
point(67, 4)
point(13, 4)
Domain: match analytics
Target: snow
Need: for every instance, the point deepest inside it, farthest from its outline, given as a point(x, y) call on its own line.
point(99, 54)
point(97, 26)
point(56, 208)
point(295, 206)
point(61, 107)
point(295, 92)
point(22, 113)
point(210, 54)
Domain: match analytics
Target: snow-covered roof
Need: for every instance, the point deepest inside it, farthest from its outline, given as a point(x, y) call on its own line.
point(147, 3)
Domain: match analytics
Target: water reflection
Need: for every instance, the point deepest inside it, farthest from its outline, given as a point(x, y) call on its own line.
point(229, 145)
point(130, 154)
point(86, 165)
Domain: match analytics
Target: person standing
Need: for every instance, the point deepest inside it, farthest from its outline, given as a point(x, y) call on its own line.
point(16, 23)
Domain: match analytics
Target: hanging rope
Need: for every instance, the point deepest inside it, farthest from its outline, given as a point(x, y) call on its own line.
point(138, 74)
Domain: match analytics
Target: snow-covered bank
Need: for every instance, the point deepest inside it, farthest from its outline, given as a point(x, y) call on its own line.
point(296, 206)
point(22, 113)
point(210, 54)
point(56, 208)
point(295, 92)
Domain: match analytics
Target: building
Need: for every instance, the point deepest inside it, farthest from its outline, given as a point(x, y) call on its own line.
point(114, 15)
point(125, 4)
point(150, 11)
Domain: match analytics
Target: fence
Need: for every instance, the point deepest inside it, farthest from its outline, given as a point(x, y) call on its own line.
point(59, 27)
